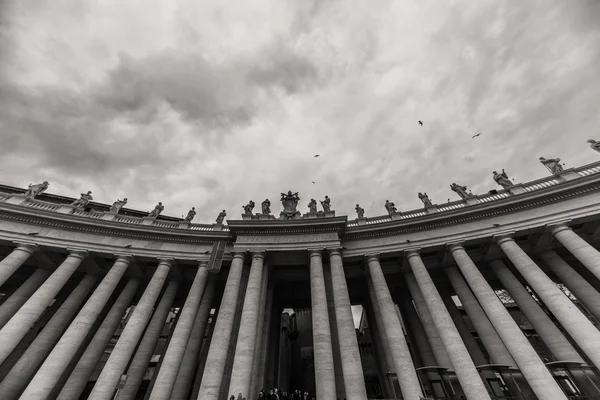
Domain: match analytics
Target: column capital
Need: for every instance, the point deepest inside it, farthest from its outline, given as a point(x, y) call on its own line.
point(335, 251)
point(409, 253)
point(315, 252)
point(503, 237)
point(558, 227)
point(126, 258)
point(78, 253)
point(372, 257)
point(27, 247)
point(238, 254)
point(169, 262)
point(259, 255)
point(453, 246)
point(202, 263)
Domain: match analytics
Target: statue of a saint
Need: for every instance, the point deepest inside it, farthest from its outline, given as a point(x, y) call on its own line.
point(312, 206)
point(83, 200)
point(248, 208)
point(502, 179)
point(460, 190)
point(553, 165)
point(266, 206)
point(289, 201)
point(36, 190)
point(157, 210)
point(221, 217)
point(595, 145)
point(326, 204)
point(360, 211)
point(190, 215)
point(425, 199)
point(117, 205)
point(390, 207)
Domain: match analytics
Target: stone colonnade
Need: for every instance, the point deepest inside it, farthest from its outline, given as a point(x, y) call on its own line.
point(60, 360)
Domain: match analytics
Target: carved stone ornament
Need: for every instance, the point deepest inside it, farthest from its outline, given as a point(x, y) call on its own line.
point(289, 201)
point(221, 217)
point(248, 208)
point(595, 145)
point(190, 215)
point(360, 211)
point(157, 210)
point(266, 206)
point(425, 199)
point(312, 206)
point(553, 165)
point(390, 207)
point(326, 204)
point(117, 205)
point(36, 190)
point(502, 179)
point(83, 200)
point(460, 190)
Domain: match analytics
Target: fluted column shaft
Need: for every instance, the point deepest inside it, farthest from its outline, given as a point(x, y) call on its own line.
point(20, 296)
point(467, 374)
point(78, 379)
point(167, 374)
point(405, 369)
point(18, 326)
point(528, 361)
point(119, 357)
point(20, 374)
point(543, 325)
point(582, 250)
point(145, 350)
point(431, 332)
point(64, 351)
point(14, 260)
point(585, 334)
point(354, 380)
point(580, 287)
point(323, 352)
point(219, 346)
point(488, 335)
point(189, 363)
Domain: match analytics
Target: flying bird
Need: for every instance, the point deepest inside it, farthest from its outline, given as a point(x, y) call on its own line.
point(317, 155)
point(313, 182)
point(421, 123)
point(474, 136)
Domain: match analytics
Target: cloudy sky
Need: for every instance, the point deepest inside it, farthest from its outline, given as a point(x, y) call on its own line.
point(211, 103)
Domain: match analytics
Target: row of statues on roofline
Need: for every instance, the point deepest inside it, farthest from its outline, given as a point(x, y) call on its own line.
point(290, 200)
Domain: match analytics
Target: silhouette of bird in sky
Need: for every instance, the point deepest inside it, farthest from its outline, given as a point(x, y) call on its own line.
point(421, 123)
point(313, 182)
point(317, 155)
point(474, 136)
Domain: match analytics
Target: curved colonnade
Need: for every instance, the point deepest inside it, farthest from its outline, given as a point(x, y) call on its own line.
point(492, 297)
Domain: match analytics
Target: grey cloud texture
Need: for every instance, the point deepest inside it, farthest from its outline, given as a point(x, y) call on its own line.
point(210, 104)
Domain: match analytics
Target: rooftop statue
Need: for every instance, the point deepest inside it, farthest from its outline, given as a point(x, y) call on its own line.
point(312, 206)
point(248, 208)
point(117, 205)
point(83, 200)
point(190, 215)
point(157, 210)
point(502, 179)
point(425, 199)
point(266, 206)
point(221, 217)
point(460, 190)
point(326, 204)
point(553, 165)
point(390, 207)
point(360, 211)
point(36, 190)
point(289, 201)
point(594, 145)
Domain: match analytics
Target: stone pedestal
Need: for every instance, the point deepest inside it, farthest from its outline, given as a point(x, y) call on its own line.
point(184, 225)
point(217, 227)
point(16, 199)
point(148, 220)
point(432, 209)
point(246, 217)
point(265, 216)
point(472, 200)
point(396, 216)
point(66, 209)
point(109, 216)
point(517, 189)
point(568, 175)
point(361, 221)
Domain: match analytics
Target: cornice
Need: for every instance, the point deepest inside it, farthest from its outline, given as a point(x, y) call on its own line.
point(277, 227)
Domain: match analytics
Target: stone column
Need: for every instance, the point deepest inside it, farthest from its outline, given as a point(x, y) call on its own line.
point(139, 364)
point(354, 378)
point(78, 379)
point(219, 346)
point(431, 332)
point(258, 349)
point(14, 260)
point(64, 351)
point(260, 380)
point(421, 345)
point(582, 250)
point(17, 379)
point(20, 296)
point(463, 330)
point(323, 352)
point(467, 374)
point(119, 357)
point(167, 374)
point(384, 308)
point(543, 325)
point(583, 332)
point(528, 361)
point(581, 288)
point(18, 326)
point(189, 363)
point(241, 371)
point(488, 335)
